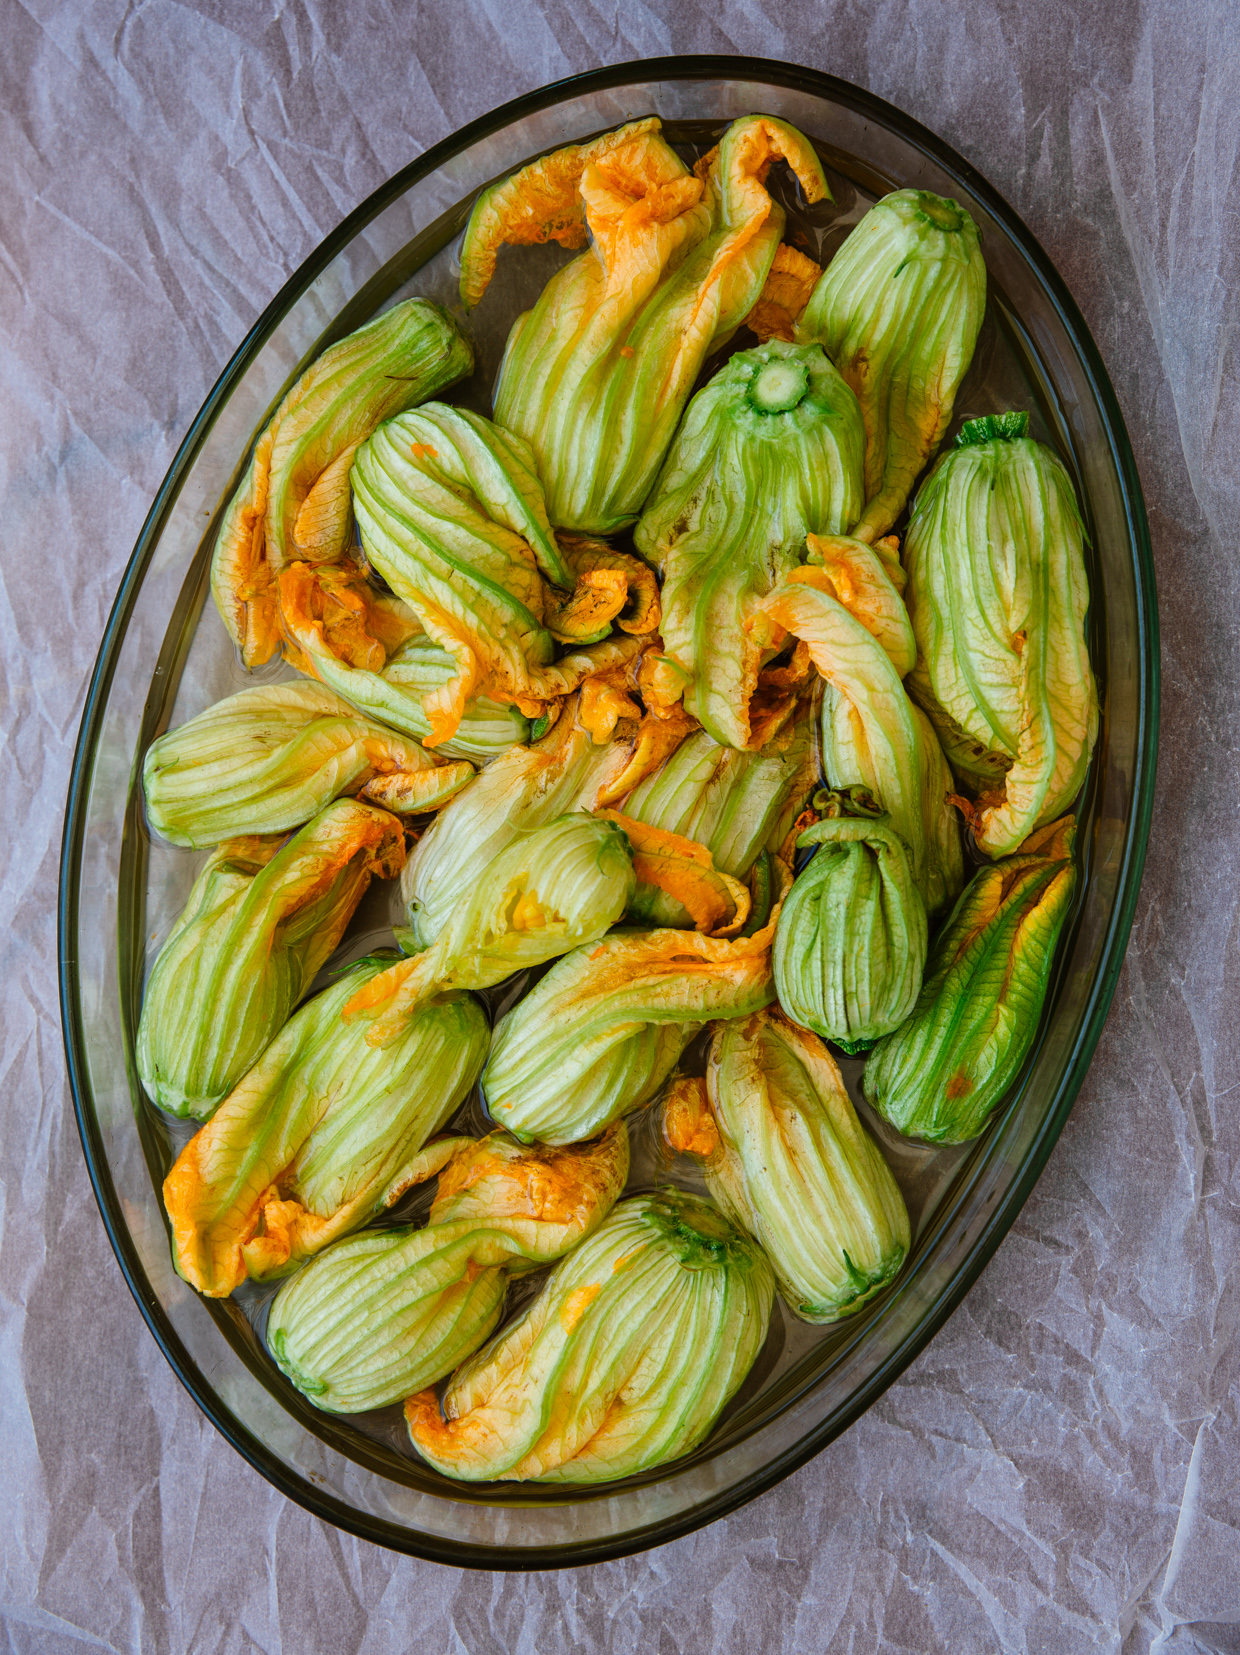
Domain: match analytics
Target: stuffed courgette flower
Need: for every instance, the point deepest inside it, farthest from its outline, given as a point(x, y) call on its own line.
point(260, 921)
point(873, 736)
point(322, 1133)
point(451, 514)
point(596, 375)
point(770, 450)
point(623, 1362)
point(525, 788)
point(268, 759)
point(734, 803)
point(598, 1036)
point(549, 890)
point(381, 1315)
point(944, 1071)
point(898, 311)
point(789, 1162)
point(998, 594)
point(293, 502)
point(850, 947)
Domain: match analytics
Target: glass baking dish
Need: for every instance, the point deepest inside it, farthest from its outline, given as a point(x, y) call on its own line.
point(165, 656)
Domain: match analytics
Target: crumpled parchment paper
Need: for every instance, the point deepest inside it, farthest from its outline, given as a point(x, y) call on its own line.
point(1060, 1471)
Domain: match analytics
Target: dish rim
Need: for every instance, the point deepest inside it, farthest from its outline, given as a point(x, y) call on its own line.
point(374, 1529)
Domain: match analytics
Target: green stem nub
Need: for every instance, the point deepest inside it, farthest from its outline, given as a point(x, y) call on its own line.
point(778, 386)
point(942, 212)
point(1006, 426)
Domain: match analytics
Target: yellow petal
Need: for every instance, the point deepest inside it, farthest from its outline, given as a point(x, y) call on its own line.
point(662, 682)
point(788, 287)
point(599, 596)
point(602, 705)
point(688, 1124)
point(744, 204)
point(572, 671)
point(585, 554)
point(241, 576)
point(657, 738)
point(332, 610)
point(685, 870)
point(778, 696)
point(540, 203)
point(638, 196)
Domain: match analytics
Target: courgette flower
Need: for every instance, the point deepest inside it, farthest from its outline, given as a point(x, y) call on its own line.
point(598, 1036)
point(527, 787)
point(789, 1162)
point(873, 736)
point(596, 375)
point(998, 594)
point(451, 514)
point(268, 759)
point(770, 450)
point(549, 890)
point(898, 311)
point(293, 502)
point(623, 1362)
point(850, 947)
point(942, 1073)
point(324, 1132)
point(261, 920)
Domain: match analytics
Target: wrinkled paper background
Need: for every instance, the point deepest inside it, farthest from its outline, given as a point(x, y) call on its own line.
point(1060, 1471)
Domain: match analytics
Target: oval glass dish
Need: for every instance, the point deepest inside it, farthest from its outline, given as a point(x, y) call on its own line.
point(165, 656)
